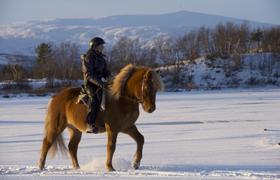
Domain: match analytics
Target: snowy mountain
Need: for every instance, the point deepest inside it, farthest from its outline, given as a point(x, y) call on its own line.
point(22, 38)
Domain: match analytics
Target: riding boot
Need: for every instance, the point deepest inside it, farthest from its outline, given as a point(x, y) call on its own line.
point(91, 117)
point(91, 127)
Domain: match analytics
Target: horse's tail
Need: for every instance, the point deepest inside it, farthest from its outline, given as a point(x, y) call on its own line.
point(52, 122)
point(58, 144)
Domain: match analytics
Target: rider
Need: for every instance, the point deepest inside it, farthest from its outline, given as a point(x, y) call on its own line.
point(95, 75)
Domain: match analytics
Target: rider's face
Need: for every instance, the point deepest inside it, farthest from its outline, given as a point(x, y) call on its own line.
point(100, 48)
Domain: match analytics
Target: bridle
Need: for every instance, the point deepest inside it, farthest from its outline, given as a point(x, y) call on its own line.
point(135, 100)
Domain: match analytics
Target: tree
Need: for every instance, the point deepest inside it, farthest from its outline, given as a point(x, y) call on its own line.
point(44, 55)
point(244, 38)
point(165, 50)
point(13, 72)
point(66, 57)
point(257, 37)
point(192, 50)
point(126, 51)
point(271, 40)
point(205, 41)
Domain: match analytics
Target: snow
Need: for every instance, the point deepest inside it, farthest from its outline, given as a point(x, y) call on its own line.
point(38, 83)
point(256, 70)
point(191, 135)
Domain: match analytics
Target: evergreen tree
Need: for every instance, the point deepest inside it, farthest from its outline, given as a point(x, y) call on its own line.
point(257, 37)
point(44, 54)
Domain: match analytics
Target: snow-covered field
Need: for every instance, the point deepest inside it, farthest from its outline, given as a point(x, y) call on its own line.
point(191, 135)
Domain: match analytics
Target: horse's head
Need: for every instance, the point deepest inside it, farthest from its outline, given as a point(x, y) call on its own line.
point(137, 84)
point(151, 83)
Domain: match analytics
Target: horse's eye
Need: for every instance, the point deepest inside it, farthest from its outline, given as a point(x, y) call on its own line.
point(148, 88)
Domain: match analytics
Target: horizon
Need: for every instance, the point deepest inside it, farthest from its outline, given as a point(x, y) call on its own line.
point(174, 12)
point(97, 18)
point(36, 10)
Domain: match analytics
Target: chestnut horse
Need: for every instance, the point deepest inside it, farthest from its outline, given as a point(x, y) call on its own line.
point(131, 87)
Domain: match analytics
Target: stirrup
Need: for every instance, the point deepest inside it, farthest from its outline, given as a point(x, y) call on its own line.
point(92, 129)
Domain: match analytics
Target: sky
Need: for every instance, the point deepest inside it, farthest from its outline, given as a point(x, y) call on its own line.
point(25, 10)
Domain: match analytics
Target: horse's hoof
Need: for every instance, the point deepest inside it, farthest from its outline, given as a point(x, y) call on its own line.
point(110, 169)
point(76, 167)
point(41, 168)
point(136, 165)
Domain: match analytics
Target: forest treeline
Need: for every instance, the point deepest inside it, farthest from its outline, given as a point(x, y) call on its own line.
point(224, 40)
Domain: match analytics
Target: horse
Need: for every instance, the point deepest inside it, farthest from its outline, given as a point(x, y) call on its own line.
point(132, 86)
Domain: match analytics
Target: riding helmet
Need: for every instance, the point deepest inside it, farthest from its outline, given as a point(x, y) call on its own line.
point(96, 41)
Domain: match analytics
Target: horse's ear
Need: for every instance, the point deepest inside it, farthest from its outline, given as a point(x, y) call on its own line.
point(148, 74)
point(158, 71)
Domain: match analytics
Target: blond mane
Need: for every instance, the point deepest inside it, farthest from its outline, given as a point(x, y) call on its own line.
point(120, 80)
point(157, 82)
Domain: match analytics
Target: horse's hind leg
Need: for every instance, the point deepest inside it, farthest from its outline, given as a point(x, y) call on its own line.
point(139, 138)
point(75, 137)
point(48, 141)
point(52, 133)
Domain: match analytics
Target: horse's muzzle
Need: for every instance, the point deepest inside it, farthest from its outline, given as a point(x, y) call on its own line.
point(151, 109)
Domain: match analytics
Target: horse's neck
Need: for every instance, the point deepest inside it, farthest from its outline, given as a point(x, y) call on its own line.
point(134, 85)
point(122, 105)
point(123, 99)
point(129, 93)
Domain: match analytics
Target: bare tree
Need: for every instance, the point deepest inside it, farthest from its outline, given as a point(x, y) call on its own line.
point(13, 72)
point(67, 58)
point(271, 40)
point(188, 47)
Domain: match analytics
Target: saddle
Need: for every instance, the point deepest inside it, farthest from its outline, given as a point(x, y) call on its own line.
point(85, 99)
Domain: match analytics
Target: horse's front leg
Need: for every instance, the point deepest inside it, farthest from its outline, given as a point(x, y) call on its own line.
point(111, 146)
point(139, 138)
